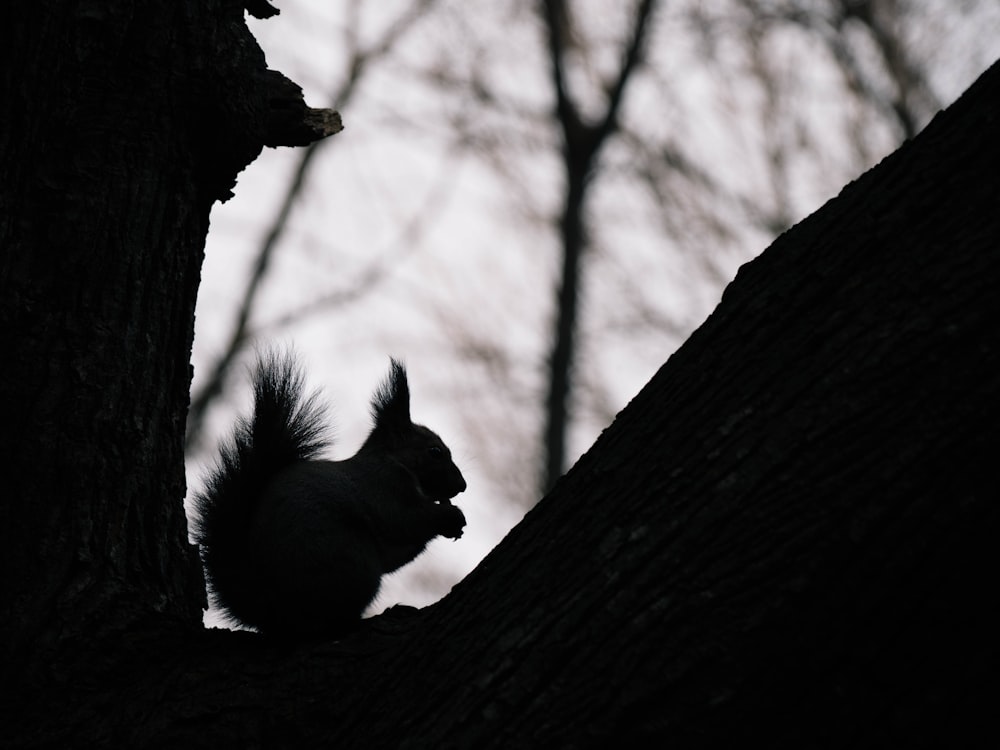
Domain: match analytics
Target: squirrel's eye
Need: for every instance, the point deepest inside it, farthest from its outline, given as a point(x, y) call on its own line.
point(436, 451)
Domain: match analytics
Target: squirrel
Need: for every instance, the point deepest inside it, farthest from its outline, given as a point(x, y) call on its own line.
point(297, 546)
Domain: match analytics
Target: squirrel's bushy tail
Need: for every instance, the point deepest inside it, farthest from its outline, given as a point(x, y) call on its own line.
point(286, 426)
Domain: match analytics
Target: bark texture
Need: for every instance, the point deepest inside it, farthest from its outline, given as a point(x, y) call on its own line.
point(123, 123)
point(789, 535)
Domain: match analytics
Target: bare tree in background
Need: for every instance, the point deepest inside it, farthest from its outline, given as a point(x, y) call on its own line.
point(583, 138)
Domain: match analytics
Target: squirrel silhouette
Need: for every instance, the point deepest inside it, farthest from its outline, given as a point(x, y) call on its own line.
point(294, 545)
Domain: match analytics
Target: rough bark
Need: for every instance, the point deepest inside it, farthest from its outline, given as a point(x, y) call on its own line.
point(123, 123)
point(789, 535)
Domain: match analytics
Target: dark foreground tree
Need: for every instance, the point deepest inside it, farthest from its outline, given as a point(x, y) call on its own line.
point(789, 535)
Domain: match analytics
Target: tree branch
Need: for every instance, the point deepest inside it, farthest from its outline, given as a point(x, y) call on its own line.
point(630, 61)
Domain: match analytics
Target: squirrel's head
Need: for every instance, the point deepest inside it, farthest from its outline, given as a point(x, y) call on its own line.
point(415, 447)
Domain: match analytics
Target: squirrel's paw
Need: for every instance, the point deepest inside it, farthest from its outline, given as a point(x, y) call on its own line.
point(452, 521)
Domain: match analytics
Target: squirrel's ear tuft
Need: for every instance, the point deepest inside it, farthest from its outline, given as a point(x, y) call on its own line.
point(391, 402)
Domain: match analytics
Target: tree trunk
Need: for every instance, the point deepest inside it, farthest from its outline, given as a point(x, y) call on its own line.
point(123, 123)
point(789, 535)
